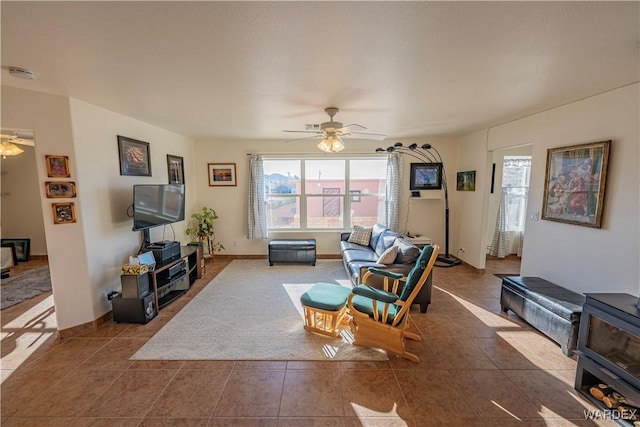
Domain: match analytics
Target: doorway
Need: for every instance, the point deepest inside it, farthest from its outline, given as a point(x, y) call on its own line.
point(508, 203)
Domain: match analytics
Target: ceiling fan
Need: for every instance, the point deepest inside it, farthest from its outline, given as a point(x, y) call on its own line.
point(8, 141)
point(332, 132)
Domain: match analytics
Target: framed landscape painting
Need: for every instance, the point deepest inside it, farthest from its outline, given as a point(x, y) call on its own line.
point(222, 174)
point(574, 184)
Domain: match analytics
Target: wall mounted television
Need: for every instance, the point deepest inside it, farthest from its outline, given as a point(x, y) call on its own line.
point(157, 204)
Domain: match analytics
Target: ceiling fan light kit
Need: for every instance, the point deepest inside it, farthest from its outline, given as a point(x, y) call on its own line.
point(331, 145)
point(9, 149)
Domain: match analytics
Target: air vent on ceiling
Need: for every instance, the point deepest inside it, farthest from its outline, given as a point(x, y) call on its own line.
point(313, 127)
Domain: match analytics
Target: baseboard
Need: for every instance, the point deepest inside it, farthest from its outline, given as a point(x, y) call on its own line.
point(232, 257)
point(39, 257)
point(84, 328)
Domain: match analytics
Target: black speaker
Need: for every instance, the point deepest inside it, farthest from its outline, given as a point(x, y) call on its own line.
point(134, 310)
point(134, 286)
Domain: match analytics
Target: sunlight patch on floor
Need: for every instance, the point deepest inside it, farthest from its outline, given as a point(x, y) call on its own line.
point(485, 316)
point(392, 414)
point(24, 335)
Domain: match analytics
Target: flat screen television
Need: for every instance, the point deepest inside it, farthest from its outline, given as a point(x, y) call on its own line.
point(157, 204)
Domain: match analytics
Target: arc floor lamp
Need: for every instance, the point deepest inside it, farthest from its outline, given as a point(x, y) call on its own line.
point(426, 153)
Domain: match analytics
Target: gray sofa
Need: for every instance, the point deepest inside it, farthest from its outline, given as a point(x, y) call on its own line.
point(358, 258)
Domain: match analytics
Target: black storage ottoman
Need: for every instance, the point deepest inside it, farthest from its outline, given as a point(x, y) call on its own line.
point(550, 308)
point(298, 251)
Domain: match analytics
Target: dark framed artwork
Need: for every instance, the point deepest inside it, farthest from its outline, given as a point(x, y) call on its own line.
point(175, 169)
point(60, 189)
point(22, 248)
point(574, 184)
point(63, 213)
point(466, 181)
point(135, 157)
point(426, 176)
point(57, 166)
point(222, 174)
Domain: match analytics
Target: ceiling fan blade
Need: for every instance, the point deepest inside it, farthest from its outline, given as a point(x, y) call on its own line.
point(367, 135)
point(301, 139)
point(351, 127)
point(22, 141)
point(301, 131)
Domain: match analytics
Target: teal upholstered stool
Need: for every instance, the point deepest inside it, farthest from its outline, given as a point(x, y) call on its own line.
point(325, 306)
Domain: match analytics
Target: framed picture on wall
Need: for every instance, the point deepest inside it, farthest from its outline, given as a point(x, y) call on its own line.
point(63, 213)
point(466, 181)
point(222, 174)
point(60, 189)
point(426, 176)
point(574, 184)
point(175, 169)
point(57, 166)
point(135, 157)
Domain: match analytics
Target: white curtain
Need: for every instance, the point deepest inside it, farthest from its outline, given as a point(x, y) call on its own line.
point(500, 244)
point(510, 222)
point(394, 186)
point(257, 218)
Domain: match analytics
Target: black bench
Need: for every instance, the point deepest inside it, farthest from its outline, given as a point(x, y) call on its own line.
point(299, 251)
point(552, 309)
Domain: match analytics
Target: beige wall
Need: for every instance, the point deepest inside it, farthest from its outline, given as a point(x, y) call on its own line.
point(21, 207)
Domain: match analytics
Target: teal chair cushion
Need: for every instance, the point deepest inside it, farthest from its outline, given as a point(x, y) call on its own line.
point(326, 296)
point(416, 272)
point(365, 305)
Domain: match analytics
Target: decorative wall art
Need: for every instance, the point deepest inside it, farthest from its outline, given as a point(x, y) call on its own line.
point(22, 248)
point(60, 189)
point(222, 174)
point(575, 181)
point(135, 157)
point(63, 213)
point(466, 181)
point(426, 176)
point(175, 169)
point(57, 166)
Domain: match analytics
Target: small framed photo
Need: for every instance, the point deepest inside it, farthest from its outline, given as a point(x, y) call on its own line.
point(426, 176)
point(60, 189)
point(175, 169)
point(135, 157)
point(57, 166)
point(466, 181)
point(63, 213)
point(22, 248)
point(222, 174)
point(574, 184)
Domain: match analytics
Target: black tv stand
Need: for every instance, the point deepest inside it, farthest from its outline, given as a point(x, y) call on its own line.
point(168, 287)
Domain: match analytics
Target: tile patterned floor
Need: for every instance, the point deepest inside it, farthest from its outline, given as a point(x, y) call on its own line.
point(479, 367)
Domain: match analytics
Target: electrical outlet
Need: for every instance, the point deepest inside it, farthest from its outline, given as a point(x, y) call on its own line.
point(461, 250)
point(234, 244)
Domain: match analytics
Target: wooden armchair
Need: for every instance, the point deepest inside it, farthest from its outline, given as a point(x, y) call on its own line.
point(380, 317)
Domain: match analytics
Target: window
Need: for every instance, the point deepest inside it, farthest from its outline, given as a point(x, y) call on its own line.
point(323, 193)
point(515, 184)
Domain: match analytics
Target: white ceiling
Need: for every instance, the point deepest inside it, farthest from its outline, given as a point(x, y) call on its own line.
point(252, 69)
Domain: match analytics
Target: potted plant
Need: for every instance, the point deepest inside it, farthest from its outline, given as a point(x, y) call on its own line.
point(203, 229)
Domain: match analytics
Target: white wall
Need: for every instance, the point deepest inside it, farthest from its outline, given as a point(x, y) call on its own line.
point(85, 257)
point(469, 215)
point(230, 203)
point(105, 196)
point(21, 207)
point(581, 258)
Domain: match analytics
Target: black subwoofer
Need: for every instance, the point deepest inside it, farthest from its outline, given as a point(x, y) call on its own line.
point(134, 310)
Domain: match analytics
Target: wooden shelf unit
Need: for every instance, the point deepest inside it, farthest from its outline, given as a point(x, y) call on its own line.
point(174, 287)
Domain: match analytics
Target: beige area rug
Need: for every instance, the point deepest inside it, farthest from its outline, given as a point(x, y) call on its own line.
point(252, 311)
